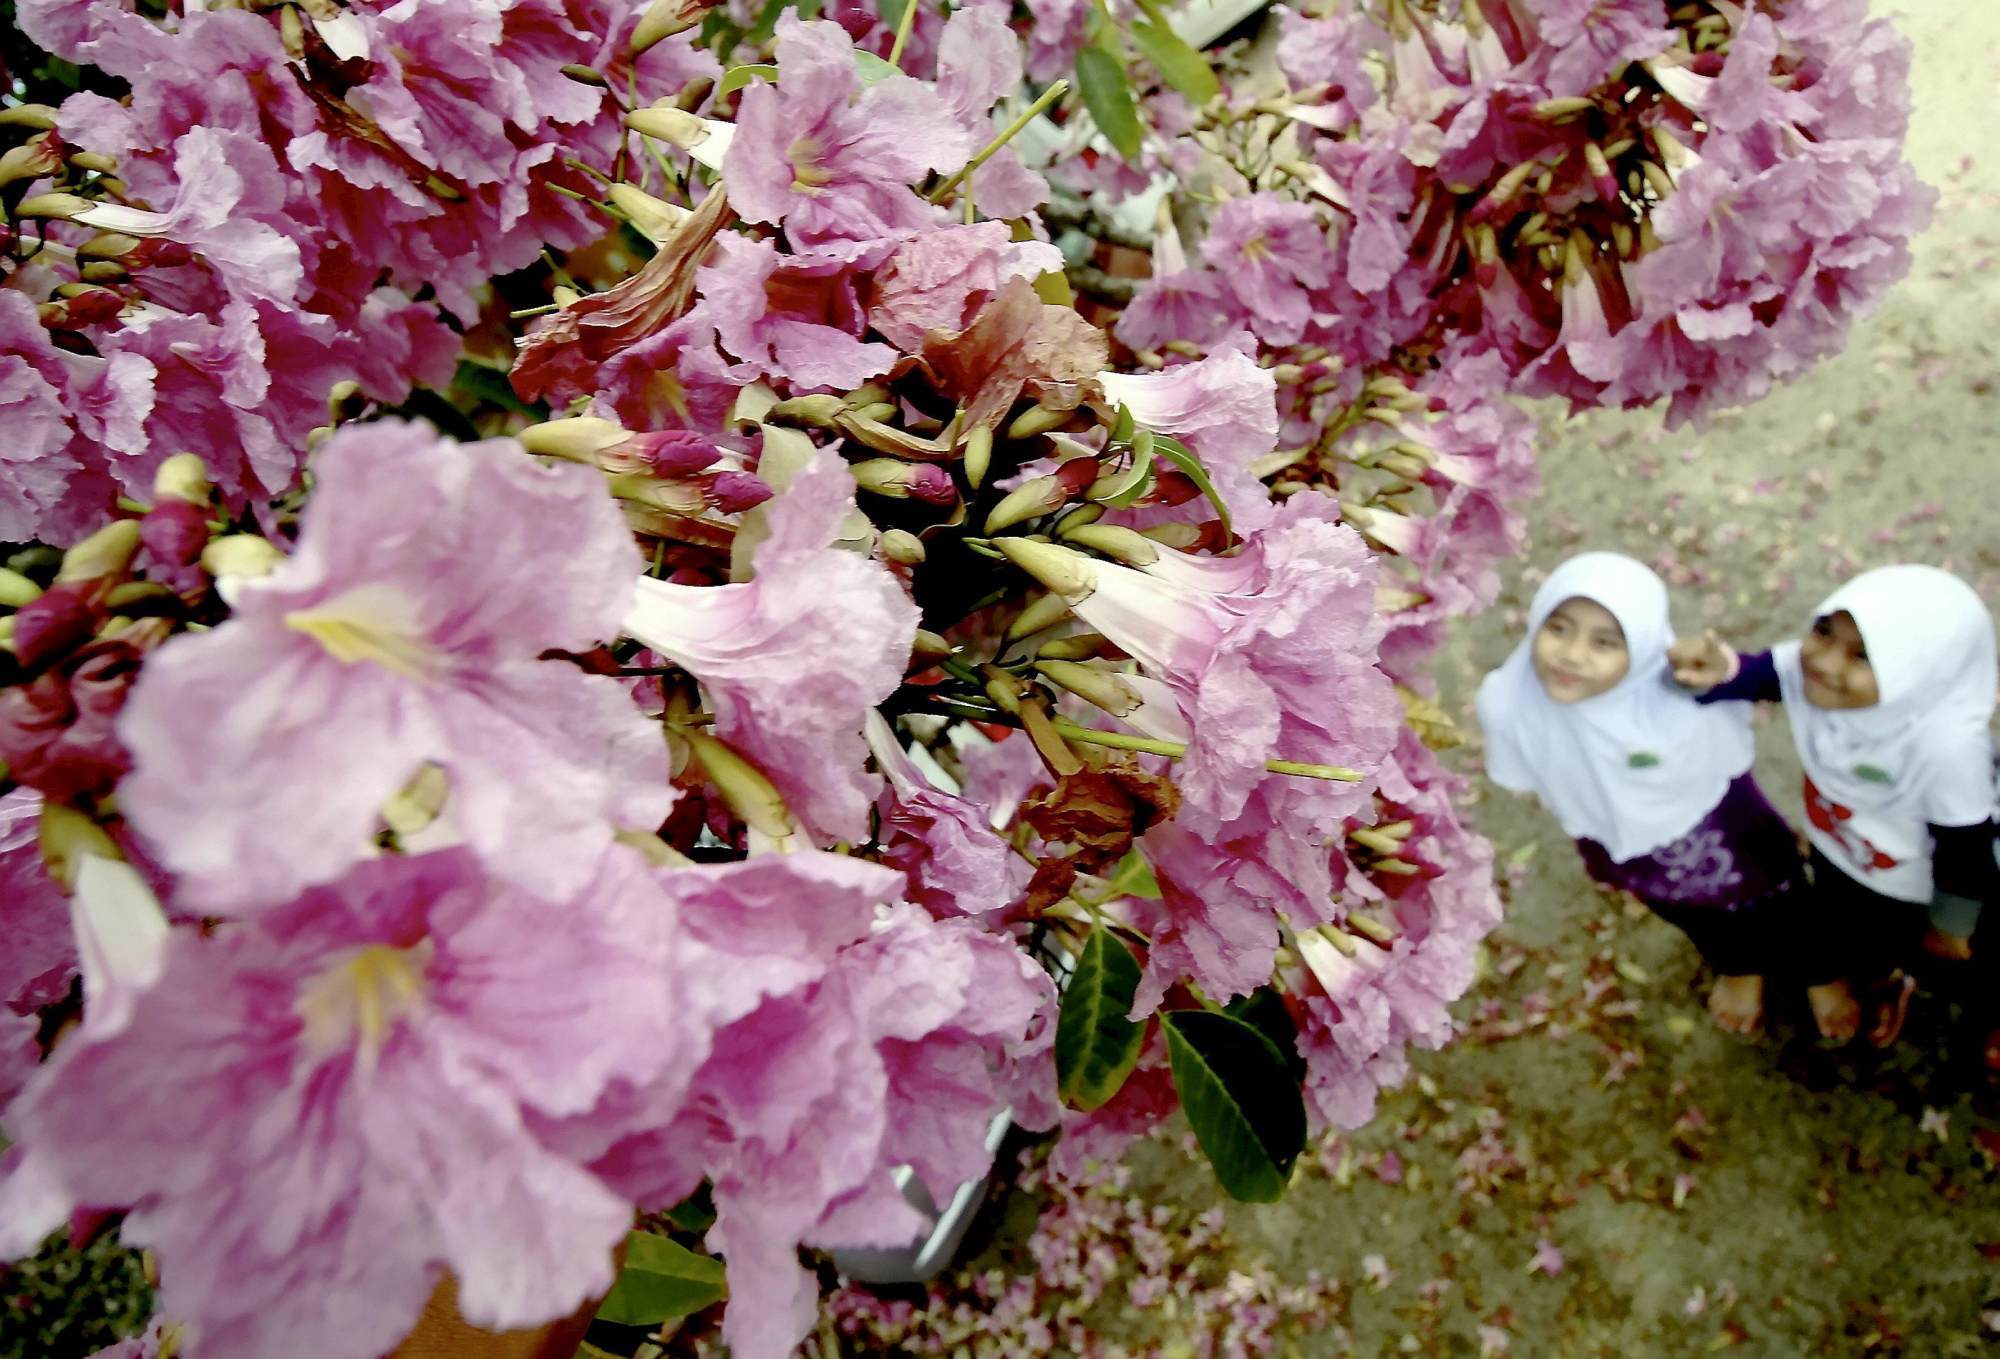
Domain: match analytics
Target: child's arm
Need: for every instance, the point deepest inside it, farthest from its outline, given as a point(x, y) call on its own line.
point(1965, 875)
point(1713, 670)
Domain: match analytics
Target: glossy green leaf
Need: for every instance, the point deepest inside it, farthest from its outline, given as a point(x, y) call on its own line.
point(1264, 1011)
point(696, 1212)
point(736, 77)
point(661, 1279)
point(1096, 1045)
point(1100, 77)
point(1180, 65)
point(1176, 452)
point(1240, 1099)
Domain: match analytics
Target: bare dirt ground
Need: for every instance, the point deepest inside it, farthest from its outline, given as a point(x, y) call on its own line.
point(1594, 1169)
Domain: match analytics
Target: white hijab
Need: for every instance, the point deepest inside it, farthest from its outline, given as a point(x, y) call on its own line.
point(1922, 753)
point(1634, 768)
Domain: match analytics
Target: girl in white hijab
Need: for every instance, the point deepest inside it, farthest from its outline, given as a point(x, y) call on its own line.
point(1655, 788)
point(1890, 698)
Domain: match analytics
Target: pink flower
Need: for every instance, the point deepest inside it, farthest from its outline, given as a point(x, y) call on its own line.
point(953, 859)
point(793, 660)
point(792, 317)
point(58, 730)
point(1265, 655)
point(939, 280)
point(1587, 40)
point(831, 162)
point(1224, 408)
point(1328, 55)
point(1055, 34)
point(978, 64)
point(223, 184)
point(1187, 304)
point(1548, 1259)
point(1363, 998)
point(405, 629)
point(327, 1107)
point(1268, 253)
point(40, 958)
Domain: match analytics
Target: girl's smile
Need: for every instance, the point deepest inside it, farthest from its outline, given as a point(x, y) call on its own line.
point(1580, 651)
point(1835, 665)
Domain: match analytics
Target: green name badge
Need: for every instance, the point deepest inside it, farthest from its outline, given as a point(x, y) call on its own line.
point(1642, 759)
point(1872, 774)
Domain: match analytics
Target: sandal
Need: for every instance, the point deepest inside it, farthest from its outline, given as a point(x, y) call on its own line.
point(1890, 1000)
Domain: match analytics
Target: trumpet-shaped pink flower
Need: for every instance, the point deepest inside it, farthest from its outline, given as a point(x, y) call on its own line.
point(1267, 655)
point(1224, 408)
point(1363, 1003)
point(830, 161)
point(793, 660)
point(1585, 41)
point(1269, 253)
point(403, 631)
point(1183, 304)
point(954, 861)
point(978, 64)
point(327, 1107)
point(939, 280)
point(793, 318)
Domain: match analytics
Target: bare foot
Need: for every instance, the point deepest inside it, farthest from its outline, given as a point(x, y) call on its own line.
point(1737, 1003)
point(1835, 1010)
point(1948, 946)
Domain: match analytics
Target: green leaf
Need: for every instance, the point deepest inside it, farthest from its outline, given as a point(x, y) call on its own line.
point(661, 1279)
point(1177, 453)
point(1096, 1045)
point(872, 67)
point(1184, 68)
point(891, 12)
point(1125, 426)
point(696, 1212)
point(736, 77)
point(1240, 1099)
point(1872, 774)
point(1106, 93)
point(767, 22)
point(1265, 1012)
point(1642, 759)
point(1134, 878)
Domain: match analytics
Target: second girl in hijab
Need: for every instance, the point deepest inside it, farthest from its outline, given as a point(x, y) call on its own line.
point(1889, 696)
point(1655, 788)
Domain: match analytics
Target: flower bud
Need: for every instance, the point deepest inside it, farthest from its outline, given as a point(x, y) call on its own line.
point(818, 410)
point(16, 589)
point(899, 480)
point(736, 492)
point(105, 553)
point(672, 452)
point(1031, 499)
point(578, 438)
point(743, 786)
point(30, 160)
point(929, 645)
point(1044, 611)
point(58, 207)
point(182, 477)
point(978, 454)
point(1064, 570)
point(419, 801)
point(1037, 420)
point(902, 547)
point(1076, 517)
point(654, 218)
point(95, 162)
point(1120, 544)
point(663, 19)
point(40, 117)
point(55, 623)
point(1174, 534)
point(1093, 684)
point(1082, 646)
point(67, 835)
point(676, 127)
point(240, 556)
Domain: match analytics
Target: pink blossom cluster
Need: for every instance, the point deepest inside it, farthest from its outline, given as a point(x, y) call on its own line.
point(481, 1050)
point(1606, 194)
point(298, 202)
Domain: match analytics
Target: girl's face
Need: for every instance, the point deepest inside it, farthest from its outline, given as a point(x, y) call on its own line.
point(1836, 667)
point(1579, 651)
